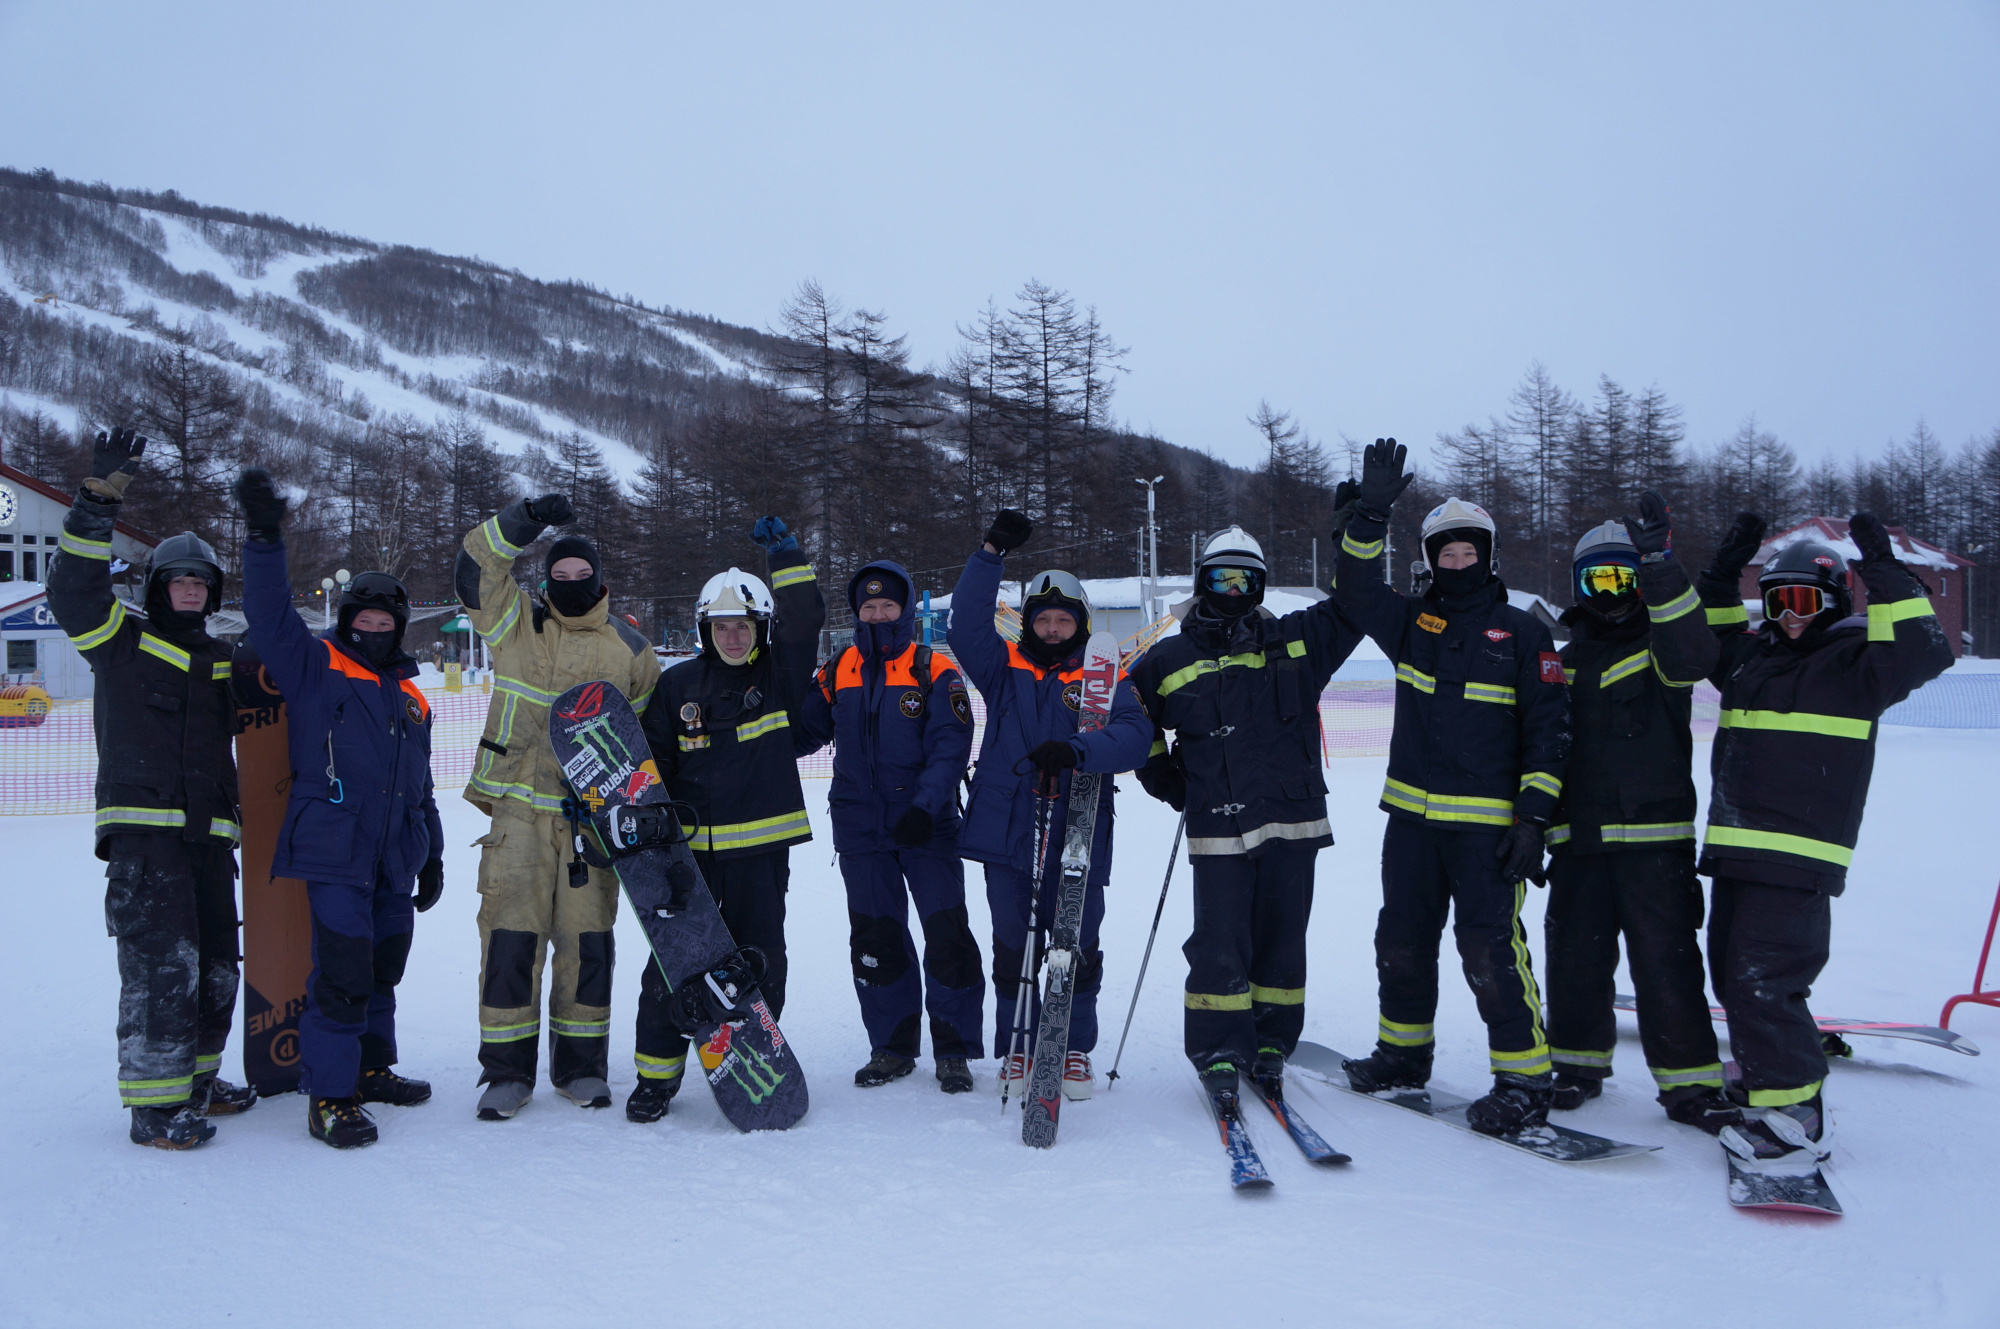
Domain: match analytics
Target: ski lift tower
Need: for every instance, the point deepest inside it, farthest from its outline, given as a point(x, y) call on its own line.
point(1152, 550)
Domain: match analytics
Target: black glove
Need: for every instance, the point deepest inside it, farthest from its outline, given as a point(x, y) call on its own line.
point(430, 884)
point(1053, 757)
point(1345, 496)
point(1652, 531)
point(1382, 478)
point(263, 507)
point(1520, 853)
point(114, 459)
point(1871, 537)
point(1010, 530)
point(913, 829)
point(1165, 778)
point(551, 510)
point(1738, 547)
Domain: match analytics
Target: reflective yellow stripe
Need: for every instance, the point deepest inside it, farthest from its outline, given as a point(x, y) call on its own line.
point(1278, 996)
point(758, 728)
point(1535, 1061)
point(83, 548)
point(1448, 807)
point(490, 528)
point(225, 828)
point(784, 577)
point(659, 1068)
point(1724, 616)
point(1295, 649)
point(1647, 832)
point(1217, 1001)
point(1710, 1074)
point(97, 636)
point(1350, 545)
point(1543, 781)
point(1159, 748)
point(1571, 1057)
point(154, 1093)
point(203, 1065)
point(1180, 678)
point(219, 673)
point(642, 701)
point(1494, 692)
point(1679, 607)
point(747, 834)
point(1797, 722)
point(1556, 834)
point(508, 617)
point(1882, 619)
point(1625, 668)
point(1673, 682)
point(524, 690)
point(1737, 837)
point(141, 817)
point(167, 651)
point(1569, 675)
point(586, 1029)
point(1769, 1098)
point(1531, 994)
point(1403, 1035)
point(509, 1033)
point(1416, 678)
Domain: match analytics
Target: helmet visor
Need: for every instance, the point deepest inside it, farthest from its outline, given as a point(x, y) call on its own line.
point(1232, 581)
point(1798, 601)
point(1606, 579)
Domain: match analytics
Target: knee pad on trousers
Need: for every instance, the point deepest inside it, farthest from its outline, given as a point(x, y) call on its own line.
point(392, 954)
point(950, 953)
point(1007, 967)
point(1090, 971)
point(346, 976)
point(510, 968)
point(593, 968)
point(876, 947)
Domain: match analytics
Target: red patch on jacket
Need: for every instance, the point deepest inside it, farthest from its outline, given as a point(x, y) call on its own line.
point(1497, 634)
point(1552, 667)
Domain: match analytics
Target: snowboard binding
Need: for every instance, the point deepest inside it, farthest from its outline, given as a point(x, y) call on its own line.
point(637, 826)
point(721, 995)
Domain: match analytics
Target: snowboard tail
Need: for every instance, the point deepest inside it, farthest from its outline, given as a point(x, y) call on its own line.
point(1833, 1024)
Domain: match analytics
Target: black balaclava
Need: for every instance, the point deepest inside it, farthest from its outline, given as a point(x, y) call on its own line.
point(374, 590)
point(1450, 583)
point(573, 599)
point(1229, 606)
point(1040, 651)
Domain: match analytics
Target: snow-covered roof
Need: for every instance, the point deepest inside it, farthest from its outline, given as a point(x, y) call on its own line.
point(1534, 604)
point(1833, 531)
point(13, 593)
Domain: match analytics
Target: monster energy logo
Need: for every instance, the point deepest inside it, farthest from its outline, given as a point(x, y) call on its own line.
point(600, 736)
point(763, 1078)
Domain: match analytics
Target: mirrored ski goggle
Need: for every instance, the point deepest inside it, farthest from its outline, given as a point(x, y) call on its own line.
point(1798, 601)
point(1606, 579)
point(1231, 581)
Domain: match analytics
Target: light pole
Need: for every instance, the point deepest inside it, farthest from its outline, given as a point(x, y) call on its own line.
point(326, 589)
point(1153, 549)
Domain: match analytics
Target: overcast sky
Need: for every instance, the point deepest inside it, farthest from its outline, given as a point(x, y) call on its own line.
point(1374, 216)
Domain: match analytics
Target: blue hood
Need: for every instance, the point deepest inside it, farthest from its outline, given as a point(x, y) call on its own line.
point(883, 641)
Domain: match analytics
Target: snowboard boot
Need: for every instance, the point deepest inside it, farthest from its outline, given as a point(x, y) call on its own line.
point(1268, 1074)
point(341, 1122)
point(1220, 1083)
point(1077, 1083)
point(1702, 1107)
point(1781, 1140)
point(503, 1098)
point(219, 1098)
point(1014, 1076)
point(650, 1101)
point(1573, 1091)
point(379, 1084)
point(1516, 1103)
point(883, 1067)
point(953, 1075)
point(587, 1091)
point(1833, 1045)
point(1389, 1067)
point(178, 1127)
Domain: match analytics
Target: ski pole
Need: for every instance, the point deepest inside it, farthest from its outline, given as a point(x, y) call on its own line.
point(1173, 855)
point(1043, 816)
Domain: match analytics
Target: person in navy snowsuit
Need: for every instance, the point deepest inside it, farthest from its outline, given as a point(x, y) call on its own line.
point(902, 726)
point(1031, 691)
point(361, 829)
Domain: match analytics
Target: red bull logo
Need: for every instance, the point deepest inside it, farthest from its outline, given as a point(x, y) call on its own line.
point(639, 782)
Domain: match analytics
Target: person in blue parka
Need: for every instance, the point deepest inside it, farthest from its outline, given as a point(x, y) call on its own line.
point(361, 829)
point(902, 728)
point(1031, 690)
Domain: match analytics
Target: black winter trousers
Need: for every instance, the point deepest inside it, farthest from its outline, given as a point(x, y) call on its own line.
point(750, 891)
point(1246, 983)
point(1651, 895)
point(1766, 945)
point(172, 906)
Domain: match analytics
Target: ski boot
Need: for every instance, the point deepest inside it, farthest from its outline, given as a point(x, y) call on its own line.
point(340, 1122)
point(650, 1101)
point(216, 1097)
point(1573, 1091)
point(1389, 1067)
point(1220, 1083)
point(180, 1126)
point(1077, 1083)
point(1268, 1073)
point(503, 1098)
point(883, 1067)
point(379, 1084)
point(1516, 1103)
point(1014, 1076)
point(1781, 1141)
point(1702, 1107)
point(953, 1075)
point(587, 1091)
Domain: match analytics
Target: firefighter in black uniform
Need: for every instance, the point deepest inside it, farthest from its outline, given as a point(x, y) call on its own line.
point(166, 804)
point(719, 727)
point(1475, 768)
point(1240, 687)
point(1796, 744)
point(1622, 846)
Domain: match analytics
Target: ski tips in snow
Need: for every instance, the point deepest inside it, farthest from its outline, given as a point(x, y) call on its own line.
point(1316, 1150)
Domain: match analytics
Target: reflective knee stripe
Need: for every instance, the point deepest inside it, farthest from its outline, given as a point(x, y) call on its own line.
point(1535, 1061)
point(165, 650)
point(1727, 614)
point(1783, 1097)
point(1416, 678)
point(140, 817)
point(1797, 722)
point(1404, 1035)
point(748, 834)
point(1708, 1075)
point(225, 828)
point(1571, 1057)
point(1882, 619)
point(762, 726)
point(104, 631)
point(580, 1029)
point(1449, 807)
point(1738, 837)
point(1350, 545)
point(155, 1093)
point(1684, 603)
point(509, 1033)
point(83, 548)
point(1218, 1001)
point(1278, 996)
point(659, 1068)
point(1625, 668)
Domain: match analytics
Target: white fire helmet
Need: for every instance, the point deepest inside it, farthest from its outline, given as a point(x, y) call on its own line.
point(1455, 514)
point(1233, 548)
point(733, 594)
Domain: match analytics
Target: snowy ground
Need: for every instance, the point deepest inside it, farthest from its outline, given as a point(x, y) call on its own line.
point(901, 1206)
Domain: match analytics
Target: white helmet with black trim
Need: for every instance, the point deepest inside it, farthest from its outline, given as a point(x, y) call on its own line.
point(733, 594)
point(1234, 548)
point(1452, 517)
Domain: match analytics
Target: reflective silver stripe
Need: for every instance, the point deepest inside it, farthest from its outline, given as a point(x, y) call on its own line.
point(1244, 843)
point(1647, 832)
point(1404, 1035)
point(490, 528)
point(577, 1029)
point(141, 817)
point(642, 701)
point(1571, 1057)
point(104, 631)
point(1535, 1061)
point(760, 727)
point(507, 619)
point(1543, 781)
point(1557, 834)
point(1684, 603)
point(1709, 1075)
point(1625, 668)
point(83, 548)
point(792, 576)
point(509, 1033)
point(225, 828)
point(203, 1065)
point(1496, 692)
point(220, 672)
point(1416, 678)
point(1349, 545)
point(525, 691)
point(659, 1068)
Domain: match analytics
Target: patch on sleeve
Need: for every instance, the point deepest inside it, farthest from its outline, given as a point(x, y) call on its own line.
point(961, 704)
point(1430, 622)
point(1552, 667)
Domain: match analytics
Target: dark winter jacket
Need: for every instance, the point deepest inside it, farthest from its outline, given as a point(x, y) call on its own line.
point(162, 706)
point(1631, 686)
point(901, 724)
point(1796, 742)
point(362, 800)
point(1482, 717)
point(1026, 706)
point(1243, 695)
point(722, 734)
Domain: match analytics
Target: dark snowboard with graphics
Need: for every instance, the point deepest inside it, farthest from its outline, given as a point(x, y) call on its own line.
point(277, 923)
point(609, 767)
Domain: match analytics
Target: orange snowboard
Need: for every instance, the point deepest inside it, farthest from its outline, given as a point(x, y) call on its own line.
point(277, 924)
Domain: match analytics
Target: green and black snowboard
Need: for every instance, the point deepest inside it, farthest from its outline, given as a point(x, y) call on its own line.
point(608, 766)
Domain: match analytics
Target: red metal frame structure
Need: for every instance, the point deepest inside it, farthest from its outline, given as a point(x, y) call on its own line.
point(1980, 995)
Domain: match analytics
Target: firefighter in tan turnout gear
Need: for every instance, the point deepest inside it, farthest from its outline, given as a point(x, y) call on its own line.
point(529, 898)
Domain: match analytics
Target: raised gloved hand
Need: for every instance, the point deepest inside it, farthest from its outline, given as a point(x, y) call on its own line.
point(430, 884)
point(263, 506)
point(1871, 537)
point(1744, 538)
point(551, 510)
point(913, 829)
point(1382, 478)
point(1009, 531)
point(771, 535)
point(1520, 852)
point(1346, 496)
point(1053, 757)
point(1652, 531)
point(114, 459)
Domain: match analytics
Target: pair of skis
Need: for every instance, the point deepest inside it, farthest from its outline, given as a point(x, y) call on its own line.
point(1246, 1170)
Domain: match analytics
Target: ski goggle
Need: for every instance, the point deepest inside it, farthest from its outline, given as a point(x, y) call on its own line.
point(1798, 601)
point(378, 590)
point(1232, 581)
point(1606, 579)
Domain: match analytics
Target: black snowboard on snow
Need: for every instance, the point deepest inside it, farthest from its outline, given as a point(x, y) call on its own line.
point(607, 764)
point(1805, 1193)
